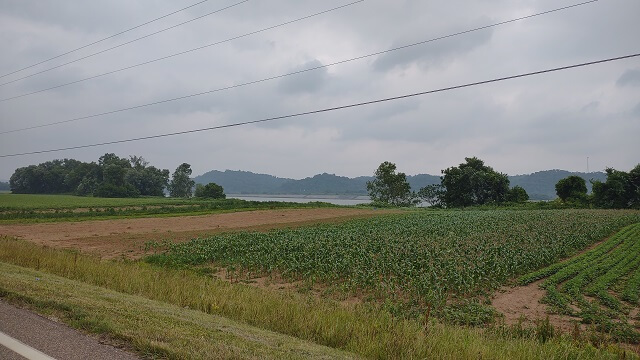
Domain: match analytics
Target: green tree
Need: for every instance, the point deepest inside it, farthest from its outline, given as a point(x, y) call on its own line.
point(620, 190)
point(210, 191)
point(572, 188)
point(473, 183)
point(432, 194)
point(389, 187)
point(181, 184)
point(147, 180)
point(517, 194)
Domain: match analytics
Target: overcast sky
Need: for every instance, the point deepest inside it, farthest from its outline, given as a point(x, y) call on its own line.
point(550, 121)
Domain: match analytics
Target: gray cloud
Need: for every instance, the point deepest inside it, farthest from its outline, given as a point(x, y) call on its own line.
point(432, 54)
point(551, 121)
point(630, 77)
point(308, 82)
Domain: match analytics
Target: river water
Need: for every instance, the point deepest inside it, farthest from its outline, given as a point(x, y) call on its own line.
point(332, 199)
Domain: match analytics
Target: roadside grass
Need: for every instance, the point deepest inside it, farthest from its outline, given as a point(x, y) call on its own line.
point(600, 286)
point(152, 328)
point(360, 329)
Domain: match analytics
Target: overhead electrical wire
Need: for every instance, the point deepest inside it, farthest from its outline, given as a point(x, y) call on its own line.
point(352, 59)
point(103, 39)
point(318, 111)
point(186, 51)
point(286, 74)
point(123, 44)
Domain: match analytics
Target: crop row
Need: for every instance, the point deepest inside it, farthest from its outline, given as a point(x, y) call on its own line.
point(422, 259)
point(584, 286)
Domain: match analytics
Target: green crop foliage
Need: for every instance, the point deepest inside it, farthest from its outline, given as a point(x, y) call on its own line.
point(421, 260)
point(587, 282)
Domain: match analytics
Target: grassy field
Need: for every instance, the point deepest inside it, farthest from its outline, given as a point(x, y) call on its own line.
point(439, 262)
point(51, 208)
point(10, 201)
point(152, 327)
point(418, 283)
point(600, 287)
point(75, 284)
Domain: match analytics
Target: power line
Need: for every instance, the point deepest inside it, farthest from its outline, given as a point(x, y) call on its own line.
point(123, 44)
point(318, 111)
point(103, 39)
point(315, 68)
point(194, 49)
point(286, 74)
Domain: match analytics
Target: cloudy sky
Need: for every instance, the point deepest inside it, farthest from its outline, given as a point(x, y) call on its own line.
point(520, 126)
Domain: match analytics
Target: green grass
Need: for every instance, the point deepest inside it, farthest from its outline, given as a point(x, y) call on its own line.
point(39, 202)
point(363, 330)
point(54, 208)
point(409, 262)
point(151, 328)
point(586, 283)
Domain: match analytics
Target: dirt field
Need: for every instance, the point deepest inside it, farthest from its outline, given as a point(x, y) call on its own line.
point(126, 237)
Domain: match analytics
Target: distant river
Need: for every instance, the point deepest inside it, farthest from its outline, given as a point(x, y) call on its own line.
point(332, 199)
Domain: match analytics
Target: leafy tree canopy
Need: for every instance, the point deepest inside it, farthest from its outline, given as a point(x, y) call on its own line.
point(389, 187)
point(572, 188)
point(210, 191)
point(112, 176)
point(517, 194)
point(432, 194)
point(181, 184)
point(473, 183)
point(620, 190)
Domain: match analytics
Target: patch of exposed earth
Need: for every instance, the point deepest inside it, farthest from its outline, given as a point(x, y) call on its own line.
point(127, 237)
point(523, 303)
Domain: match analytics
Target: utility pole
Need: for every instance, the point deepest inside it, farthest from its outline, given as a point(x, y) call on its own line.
point(587, 164)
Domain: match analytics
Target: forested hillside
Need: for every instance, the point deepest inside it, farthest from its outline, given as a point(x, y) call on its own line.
point(539, 185)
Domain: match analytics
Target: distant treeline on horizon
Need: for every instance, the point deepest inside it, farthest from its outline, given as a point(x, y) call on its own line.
point(539, 185)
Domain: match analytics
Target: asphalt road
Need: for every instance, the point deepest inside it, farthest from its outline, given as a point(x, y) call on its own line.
point(56, 340)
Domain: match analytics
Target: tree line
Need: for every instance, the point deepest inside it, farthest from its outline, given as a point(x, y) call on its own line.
point(474, 183)
point(621, 190)
point(111, 176)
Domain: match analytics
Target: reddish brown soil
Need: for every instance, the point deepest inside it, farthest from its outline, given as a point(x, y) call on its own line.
point(126, 237)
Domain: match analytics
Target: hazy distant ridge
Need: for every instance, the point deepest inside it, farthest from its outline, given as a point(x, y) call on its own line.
point(539, 185)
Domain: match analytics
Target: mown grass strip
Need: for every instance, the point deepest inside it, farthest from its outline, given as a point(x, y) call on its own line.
point(152, 328)
point(362, 330)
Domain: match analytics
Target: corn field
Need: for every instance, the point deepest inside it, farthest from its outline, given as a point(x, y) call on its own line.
point(424, 259)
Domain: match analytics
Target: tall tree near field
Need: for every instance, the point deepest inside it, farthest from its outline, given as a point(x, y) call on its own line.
point(473, 183)
point(572, 188)
point(517, 194)
point(181, 184)
point(148, 180)
point(210, 191)
point(432, 194)
point(620, 190)
point(389, 187)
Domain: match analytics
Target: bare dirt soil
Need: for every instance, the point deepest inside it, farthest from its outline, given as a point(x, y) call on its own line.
point(523, 303)
point(127, 237)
